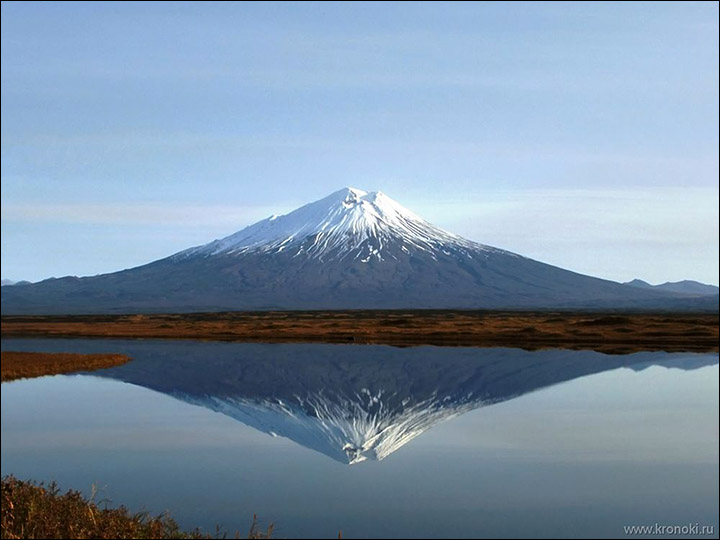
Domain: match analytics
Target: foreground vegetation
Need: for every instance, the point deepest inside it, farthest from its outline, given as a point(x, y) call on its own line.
point(23, 365)
point(613, 332)
point(36, 511)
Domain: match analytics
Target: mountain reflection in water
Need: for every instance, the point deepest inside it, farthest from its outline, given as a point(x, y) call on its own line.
point(357, 403)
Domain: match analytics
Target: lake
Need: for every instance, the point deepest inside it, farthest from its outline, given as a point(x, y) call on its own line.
point(377, 441)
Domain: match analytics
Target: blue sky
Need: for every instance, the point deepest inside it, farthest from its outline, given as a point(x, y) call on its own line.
point(580, 134)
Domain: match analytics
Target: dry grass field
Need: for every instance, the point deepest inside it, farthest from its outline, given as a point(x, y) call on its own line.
point(32, 510)
point(24, 365)
point(608, 332)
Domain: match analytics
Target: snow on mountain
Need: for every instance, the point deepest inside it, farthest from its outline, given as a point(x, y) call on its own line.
point(350, 250)
point(349, 222)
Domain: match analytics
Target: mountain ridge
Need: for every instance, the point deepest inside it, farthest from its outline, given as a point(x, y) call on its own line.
point(686, 286)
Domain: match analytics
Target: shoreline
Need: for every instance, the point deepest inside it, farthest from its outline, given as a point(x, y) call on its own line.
point(611, 332)
point(28, 365)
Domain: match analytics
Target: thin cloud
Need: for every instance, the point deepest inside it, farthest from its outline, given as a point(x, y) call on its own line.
point(135, 214)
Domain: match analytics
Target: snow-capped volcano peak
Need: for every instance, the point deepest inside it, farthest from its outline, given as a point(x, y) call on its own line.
point(347, 222)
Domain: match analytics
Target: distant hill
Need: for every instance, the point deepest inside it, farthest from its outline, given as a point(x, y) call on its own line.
point(7, 282)
point(682, 287)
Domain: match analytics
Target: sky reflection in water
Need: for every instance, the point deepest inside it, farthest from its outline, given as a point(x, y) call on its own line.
point(623, 440)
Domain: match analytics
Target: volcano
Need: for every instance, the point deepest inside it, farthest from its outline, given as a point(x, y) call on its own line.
point(349, 250)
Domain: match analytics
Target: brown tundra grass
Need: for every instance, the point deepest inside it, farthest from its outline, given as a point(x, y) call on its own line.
point(21, 365)
point(610, 332)
point(32, 510)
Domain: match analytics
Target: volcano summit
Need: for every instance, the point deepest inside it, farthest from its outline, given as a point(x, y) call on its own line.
point(349, 250)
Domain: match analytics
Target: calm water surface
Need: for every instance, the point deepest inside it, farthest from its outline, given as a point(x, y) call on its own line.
point(377, 441)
